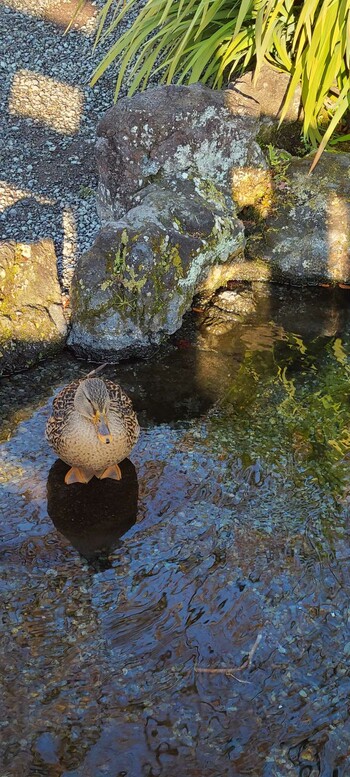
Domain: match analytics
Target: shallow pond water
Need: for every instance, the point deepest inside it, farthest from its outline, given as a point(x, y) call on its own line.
point(225, 547)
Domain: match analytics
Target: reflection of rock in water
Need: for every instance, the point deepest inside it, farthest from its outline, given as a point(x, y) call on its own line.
point(93, 515)
point(312, 312)
point(167, 389)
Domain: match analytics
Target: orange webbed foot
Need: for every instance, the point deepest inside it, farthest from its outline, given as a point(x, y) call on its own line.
point(113, 472)
point(78, 475)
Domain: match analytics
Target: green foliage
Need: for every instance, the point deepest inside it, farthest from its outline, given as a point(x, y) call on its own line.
point(85, 192)
point(213, 41)
point(279, 161)
point(288, 408)
point(119, 263)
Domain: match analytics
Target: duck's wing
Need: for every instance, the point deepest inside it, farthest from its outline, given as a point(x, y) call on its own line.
point(119, 399)
point(122, 404)
point(62, 406)
point(64, 401)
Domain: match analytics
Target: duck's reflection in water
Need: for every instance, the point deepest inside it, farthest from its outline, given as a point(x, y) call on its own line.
point(93, 516)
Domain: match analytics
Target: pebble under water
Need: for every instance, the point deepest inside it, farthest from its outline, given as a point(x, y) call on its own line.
point(192, 619)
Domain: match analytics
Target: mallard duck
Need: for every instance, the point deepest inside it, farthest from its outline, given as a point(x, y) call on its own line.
point(93, 427)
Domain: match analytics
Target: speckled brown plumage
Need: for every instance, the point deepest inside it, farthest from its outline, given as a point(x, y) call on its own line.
point(73, 436)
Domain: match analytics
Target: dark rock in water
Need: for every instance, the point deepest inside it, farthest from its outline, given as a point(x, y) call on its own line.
point(32, 323)
point(321, 312)
point(93, 516)
point(170, 226)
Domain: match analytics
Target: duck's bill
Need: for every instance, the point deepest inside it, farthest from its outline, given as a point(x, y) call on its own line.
point(103, 431)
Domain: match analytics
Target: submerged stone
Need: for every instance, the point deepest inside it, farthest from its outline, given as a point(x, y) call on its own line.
point(239, 301)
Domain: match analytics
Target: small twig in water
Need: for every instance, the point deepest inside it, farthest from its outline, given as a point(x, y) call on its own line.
point(229, 670)
point(253, 649)
point(224, 670)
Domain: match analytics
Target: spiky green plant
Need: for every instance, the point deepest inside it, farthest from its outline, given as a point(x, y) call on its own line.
point(212, 40)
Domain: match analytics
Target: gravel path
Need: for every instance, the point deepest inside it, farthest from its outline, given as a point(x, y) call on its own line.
point(49, 116)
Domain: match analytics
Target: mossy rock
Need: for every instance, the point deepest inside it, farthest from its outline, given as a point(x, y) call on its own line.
point(32, 323)
point(306, 234)
point(135, 284)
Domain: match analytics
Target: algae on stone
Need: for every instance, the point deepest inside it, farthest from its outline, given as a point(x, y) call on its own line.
point(135, 284)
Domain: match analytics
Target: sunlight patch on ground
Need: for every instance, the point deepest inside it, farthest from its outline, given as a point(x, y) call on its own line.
point(47, 101)
point(70, 244)
point(9, 195)
point(58, 13)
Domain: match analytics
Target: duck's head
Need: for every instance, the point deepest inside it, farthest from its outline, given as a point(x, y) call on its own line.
point(92, 401)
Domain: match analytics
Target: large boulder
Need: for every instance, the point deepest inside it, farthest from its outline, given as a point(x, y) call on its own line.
point(139, 278)
point(172, 133)
point(169, 221)
point(32, 323)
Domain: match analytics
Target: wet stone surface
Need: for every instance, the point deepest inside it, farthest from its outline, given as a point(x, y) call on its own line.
point(225, 546)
